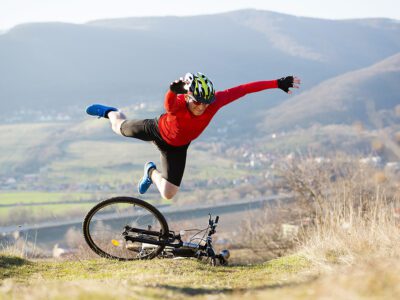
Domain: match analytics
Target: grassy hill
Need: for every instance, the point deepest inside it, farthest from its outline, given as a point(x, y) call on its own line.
point(290, 277)
point(157, 279)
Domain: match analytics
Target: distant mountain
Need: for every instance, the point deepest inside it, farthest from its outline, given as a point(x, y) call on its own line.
point(347, 98)
point(126, 61)
point(340, 44)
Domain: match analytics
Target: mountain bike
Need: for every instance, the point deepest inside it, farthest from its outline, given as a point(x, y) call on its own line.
point(126, 228)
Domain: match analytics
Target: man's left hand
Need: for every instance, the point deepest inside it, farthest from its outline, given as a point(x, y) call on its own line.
point(285, 83)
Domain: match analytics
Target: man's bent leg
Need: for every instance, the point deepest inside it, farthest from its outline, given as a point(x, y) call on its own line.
point(116, 119)
point(167, 189)
point(173, 160)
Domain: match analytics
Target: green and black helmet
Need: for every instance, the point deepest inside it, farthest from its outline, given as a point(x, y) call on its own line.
point(201, 87)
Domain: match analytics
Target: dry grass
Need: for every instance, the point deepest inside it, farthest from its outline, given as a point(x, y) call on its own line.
point(263, 232)
point(353, 208)
point(344, 211)
point(351, 228)
point(348, 215)
point(375, 280)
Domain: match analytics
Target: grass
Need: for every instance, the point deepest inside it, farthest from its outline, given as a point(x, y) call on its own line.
point(102, 161)
point(378, 280)
point(36, 197)
point(58, 208)
point(167, 279)
point(289, 277)
point(22, 140)
point(201, 165)
point(349, 251)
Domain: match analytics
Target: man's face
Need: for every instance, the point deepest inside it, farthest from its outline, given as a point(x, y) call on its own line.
point(195, 107)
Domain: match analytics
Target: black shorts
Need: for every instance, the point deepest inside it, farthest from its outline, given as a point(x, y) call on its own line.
point(173, 159)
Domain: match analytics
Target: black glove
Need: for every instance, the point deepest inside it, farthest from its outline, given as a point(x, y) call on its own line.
point(285, 83)
point(178, 87)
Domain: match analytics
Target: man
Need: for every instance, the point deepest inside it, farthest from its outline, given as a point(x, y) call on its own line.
point(190, 104)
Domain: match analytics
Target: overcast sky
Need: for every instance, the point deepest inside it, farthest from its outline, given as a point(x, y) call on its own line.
point(14, 12)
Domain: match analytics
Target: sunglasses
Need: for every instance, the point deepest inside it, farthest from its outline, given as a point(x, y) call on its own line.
point(193, 100)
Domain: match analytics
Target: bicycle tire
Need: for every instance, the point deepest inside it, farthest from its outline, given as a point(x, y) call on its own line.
point(86, 226)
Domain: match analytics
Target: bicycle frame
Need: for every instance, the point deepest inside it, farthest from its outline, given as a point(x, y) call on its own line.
point(174, 244)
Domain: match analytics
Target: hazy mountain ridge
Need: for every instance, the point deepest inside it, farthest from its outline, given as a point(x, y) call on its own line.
point(123, 62)
point(281, 31)
point(329, 41)
point(343, 99)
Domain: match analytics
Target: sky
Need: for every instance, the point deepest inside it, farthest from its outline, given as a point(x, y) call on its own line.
point(13, 12)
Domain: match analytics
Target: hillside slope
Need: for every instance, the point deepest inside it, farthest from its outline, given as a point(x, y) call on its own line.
point(342, 99)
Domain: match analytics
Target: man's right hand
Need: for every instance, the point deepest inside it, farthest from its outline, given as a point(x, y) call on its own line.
point(178, 87)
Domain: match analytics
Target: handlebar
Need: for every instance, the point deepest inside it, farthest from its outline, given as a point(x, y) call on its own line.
point(212, 222)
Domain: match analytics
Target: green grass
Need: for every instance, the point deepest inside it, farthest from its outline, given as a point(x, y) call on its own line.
point(19, 141)
point(289, 277)
point(160, 270)
point(37, 197)
point(7, 214)
point(156, 279)
point(113, 163)
point(14, 267)
point(99, 154)
point(42, 212)
point(203, 165)
point(102, 160)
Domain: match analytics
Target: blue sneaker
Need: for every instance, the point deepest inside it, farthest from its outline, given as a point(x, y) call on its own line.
point(146, 181)
point(99, 110)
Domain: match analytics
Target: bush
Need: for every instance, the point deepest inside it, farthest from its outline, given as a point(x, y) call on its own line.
point(353, 208)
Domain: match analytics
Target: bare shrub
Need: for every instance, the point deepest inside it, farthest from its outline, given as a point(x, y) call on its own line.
point(83, 252)
point(352, 206)
point(21, 247)
point(272, 231)
point(74, 237)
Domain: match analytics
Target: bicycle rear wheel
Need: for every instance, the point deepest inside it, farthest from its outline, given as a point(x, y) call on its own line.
point(104, 228)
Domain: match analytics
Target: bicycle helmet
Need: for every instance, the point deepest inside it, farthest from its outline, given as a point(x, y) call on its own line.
point(201, 87)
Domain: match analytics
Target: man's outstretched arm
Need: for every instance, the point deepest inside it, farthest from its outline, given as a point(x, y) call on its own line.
point(232, 94)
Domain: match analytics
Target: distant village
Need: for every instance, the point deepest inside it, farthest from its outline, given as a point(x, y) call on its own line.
point(263, 163)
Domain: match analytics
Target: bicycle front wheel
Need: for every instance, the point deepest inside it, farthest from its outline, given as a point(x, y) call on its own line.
point(104, 229)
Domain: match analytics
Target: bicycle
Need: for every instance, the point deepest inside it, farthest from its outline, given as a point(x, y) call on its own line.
point(126, 228)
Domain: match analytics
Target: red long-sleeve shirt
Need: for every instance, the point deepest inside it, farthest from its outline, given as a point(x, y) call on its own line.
point(178, 126)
